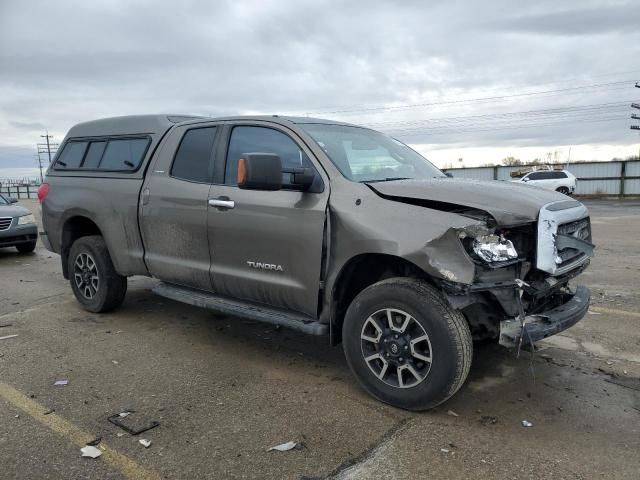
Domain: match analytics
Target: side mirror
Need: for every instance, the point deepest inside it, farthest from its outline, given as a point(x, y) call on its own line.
point(525, 179)
point(12, 200)
point(449, 174)
point(301, 177)
point(260, 171)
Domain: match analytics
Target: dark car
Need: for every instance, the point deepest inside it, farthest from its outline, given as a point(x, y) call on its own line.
point(17, 226)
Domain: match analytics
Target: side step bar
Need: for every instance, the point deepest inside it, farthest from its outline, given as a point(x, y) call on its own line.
point(237, 308)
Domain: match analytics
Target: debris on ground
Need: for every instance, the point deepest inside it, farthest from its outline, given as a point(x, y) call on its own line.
point(444, 450)
point(6, 325)
point(61, 382)
point(132, 422)
point(115, 362)
point(527, 423)
point(8, 336)
point(283, 447)
point(488, 420)
point(94, 442)
point(90, 451)
point(452, 413)
point(50, 411)
point(145, 443)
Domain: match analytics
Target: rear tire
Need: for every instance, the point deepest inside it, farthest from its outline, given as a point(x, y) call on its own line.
point(26, 247)
point(411, 317)
point(563, 190)
point(94, 280)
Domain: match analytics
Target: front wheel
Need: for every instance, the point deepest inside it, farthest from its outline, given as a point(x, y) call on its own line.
point(563, 190)
point(406, 345)
point(26, 247)
point(94, 280)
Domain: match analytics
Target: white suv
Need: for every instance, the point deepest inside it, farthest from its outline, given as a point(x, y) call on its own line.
point(561, 181)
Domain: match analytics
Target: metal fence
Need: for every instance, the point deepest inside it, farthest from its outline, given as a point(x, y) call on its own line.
point(19, 191)
point(618, 178)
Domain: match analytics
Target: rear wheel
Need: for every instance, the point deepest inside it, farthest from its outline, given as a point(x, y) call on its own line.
point(26, 247)
point(406, 345)
point(563, 190)
point(94, 280)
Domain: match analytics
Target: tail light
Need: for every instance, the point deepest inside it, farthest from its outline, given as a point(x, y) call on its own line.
point(43, 191)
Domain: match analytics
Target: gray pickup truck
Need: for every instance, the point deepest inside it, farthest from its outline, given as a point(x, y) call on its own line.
point(320, 226)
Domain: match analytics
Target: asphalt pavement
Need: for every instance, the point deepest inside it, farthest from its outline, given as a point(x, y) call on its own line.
point(224, 390)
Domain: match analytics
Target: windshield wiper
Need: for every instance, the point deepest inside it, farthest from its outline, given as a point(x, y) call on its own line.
point(388, 179)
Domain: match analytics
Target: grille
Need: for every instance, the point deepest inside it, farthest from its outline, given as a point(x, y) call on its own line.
point(580, 229)
point(5, 223)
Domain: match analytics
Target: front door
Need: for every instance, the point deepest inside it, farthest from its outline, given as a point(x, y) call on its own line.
point(266, 246)
point(174, 207)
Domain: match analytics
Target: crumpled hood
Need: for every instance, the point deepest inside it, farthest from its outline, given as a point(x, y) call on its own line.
point(13, 211)
point(508, 203)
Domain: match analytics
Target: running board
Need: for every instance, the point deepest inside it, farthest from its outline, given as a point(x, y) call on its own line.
point(251, 311)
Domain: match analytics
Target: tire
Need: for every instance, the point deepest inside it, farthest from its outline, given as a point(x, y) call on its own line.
point(563, 190)
point(26, 247)
point(448, 344)
point(95, 282)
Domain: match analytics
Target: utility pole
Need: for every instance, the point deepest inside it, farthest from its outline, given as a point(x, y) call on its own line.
point(40, 166)
point(47, 137)
point(633, 115)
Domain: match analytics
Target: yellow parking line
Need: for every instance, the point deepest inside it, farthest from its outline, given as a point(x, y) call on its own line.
point(614, 311)
point(74, 434)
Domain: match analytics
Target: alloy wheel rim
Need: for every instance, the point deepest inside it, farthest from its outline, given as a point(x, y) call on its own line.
point(85, 274)
point(396, 348)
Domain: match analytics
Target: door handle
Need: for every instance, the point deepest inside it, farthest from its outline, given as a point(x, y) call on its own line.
point(221, 203)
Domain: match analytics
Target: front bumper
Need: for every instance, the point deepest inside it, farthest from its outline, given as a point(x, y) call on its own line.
point(18, 234)
point(544, 324)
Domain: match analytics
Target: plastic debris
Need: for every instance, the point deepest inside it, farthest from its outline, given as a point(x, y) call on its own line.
point(527, 423)
point(145, 443)
point(8, 336)
point(283, 447)
point(124, 414)
point(132, 422)
point(444, 450)
point(61, 382)
point(452, 413)
point(115, 362)
point(90, 451)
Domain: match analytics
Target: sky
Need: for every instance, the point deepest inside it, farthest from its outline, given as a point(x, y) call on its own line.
point(477, 81)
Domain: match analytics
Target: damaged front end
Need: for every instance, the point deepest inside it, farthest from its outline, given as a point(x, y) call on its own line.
point(518, 291)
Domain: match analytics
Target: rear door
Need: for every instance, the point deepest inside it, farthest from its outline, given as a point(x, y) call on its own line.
point(267, 246)
point(174, 207)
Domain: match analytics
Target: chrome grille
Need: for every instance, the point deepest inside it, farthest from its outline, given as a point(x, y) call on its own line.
point(561, 218)
point(5, 223)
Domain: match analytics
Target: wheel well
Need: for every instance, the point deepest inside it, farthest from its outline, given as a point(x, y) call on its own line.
point(74, 228)
point(359, 273)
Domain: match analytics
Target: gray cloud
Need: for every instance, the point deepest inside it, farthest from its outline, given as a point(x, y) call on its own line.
point(62, 63)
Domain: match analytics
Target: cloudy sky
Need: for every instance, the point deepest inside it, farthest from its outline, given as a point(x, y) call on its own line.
point(477, 80)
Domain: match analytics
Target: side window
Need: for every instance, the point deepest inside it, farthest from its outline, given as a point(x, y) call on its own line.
point(535, 176)
point(559, 175)
point(264, 140)
point(94, 154)
point(71, 155)
point(124, 154)
point(194, 155)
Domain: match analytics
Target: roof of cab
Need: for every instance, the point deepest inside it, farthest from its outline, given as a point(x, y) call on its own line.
point(127, 125)
point(158, 124)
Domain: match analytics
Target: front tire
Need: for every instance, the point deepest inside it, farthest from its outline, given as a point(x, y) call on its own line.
point(406, 345)
point(26, 247)
point(563, 190)
point(94, 280)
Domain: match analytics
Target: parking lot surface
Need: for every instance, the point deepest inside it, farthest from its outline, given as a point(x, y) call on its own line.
point(225, 390)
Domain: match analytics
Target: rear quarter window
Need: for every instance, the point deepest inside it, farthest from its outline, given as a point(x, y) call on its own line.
point(124, 154)
point(72, 155)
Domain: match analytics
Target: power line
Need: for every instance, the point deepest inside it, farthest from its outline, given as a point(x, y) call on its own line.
point(578, 89)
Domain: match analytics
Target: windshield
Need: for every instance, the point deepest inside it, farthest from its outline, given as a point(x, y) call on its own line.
point(3, 201)
point(364, 155)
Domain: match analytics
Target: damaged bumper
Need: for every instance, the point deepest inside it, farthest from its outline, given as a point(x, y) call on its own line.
point(514, 332)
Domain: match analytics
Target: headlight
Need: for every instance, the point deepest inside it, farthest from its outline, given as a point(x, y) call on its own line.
point(26, 219)
point(494, 248)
